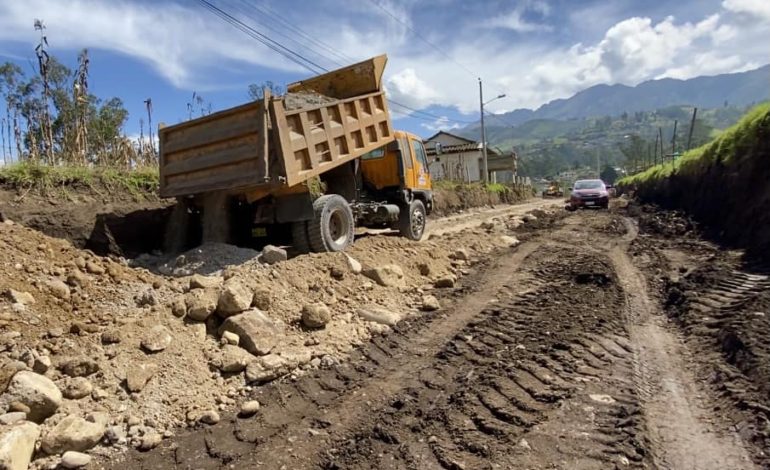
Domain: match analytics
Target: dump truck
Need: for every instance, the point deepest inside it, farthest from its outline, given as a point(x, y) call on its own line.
point(553, 190)
point(315, 163)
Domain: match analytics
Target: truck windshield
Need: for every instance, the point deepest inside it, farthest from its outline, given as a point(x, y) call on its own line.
point(589, 185)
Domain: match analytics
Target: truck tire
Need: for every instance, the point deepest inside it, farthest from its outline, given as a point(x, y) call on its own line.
point(299, 236)
point(412, 219)
point(332, 228)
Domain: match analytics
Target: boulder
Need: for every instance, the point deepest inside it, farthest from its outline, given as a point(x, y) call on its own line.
point(353, 264)
point(316, 315)
point(79, 367)
point(12, 417)
point(77, 278)
point(95, 268)
point(137, 376)
point(430, 303)
point(234, 298)
point(72, 459)
point(178, 307)
point(201, 303)
point(111, 336)
point(17, 444)
point(272, 254)
point(72, 433)
point(509, 241)
point(379, 315)
point(460, 254)
point(38, 393)
point(231, 338)
point(232, 359)
point(389, 275)
point(150, 441)
point(209, 417)
point(249, 408)
point(7, 370)
point(20, 297)
point(445, 281)
point(41, 364)
point(147, 298)
point(156, 339)
point(198, 281)
point(58, 288)
point(257, 332)
point(262, 298)
point(266, 368)
point(77, 388)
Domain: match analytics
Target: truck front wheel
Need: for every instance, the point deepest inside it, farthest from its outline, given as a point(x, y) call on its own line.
point(412, 220)
point(332, 228)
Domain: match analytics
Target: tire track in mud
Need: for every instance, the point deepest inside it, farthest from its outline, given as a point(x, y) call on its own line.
point(672, 400)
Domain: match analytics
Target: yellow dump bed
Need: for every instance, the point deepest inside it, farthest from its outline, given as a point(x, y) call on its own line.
point(265, 145)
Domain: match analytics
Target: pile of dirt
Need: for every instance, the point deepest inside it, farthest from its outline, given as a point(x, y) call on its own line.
point(305, 99)
point(150, 353)
point(460, 197)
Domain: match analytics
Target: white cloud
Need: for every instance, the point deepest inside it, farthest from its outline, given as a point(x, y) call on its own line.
point(441, 124)
point(515, 21)
point(757, 8)
point(407, 88)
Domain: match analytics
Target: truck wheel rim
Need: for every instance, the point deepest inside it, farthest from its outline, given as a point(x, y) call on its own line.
point(418, 222)
point(338, 228)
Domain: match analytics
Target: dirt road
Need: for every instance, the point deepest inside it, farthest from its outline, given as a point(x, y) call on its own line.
point(555, 354)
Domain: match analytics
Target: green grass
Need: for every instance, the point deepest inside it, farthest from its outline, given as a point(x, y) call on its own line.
point(43, 177)
point(729, 148)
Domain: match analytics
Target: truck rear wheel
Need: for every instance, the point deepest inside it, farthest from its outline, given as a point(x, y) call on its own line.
point(299, 236)
point(332, 228)
point(412, 219)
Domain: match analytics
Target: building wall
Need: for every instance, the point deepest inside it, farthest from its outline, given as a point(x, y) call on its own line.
point(463, 166)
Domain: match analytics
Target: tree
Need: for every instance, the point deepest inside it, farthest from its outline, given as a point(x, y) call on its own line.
point(256, 92)
point(609, 175)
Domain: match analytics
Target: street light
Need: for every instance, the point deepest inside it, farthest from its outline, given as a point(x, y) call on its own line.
point(485, 166)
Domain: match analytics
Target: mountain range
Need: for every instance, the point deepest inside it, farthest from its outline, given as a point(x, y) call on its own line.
point(734, 89)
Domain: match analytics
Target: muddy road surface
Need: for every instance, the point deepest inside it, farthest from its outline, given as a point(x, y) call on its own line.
point(557, 354)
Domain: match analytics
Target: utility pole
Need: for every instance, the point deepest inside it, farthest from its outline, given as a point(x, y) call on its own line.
point(662, 153)
point(673, 142)
point(484, 165)
point(692, 126)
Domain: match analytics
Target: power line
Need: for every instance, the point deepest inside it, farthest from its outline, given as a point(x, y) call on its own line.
point(428, 115)
point(265, 40)
point(423, 38)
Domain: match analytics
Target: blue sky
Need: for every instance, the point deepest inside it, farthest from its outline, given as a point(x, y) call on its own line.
point(531, 50)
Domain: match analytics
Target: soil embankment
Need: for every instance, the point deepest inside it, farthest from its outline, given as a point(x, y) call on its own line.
point(724, 185)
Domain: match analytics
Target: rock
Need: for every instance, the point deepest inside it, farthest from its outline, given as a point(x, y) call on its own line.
point(12, 417)
point(353, 264)
point(262, 299)
point(389, 275)
point(460, 254)
point(72, 433)
point(337, 273)
point(272, 254)
point(147, 298)
point(38, 393)
point(178, 307)
point(445, 281)
point(201, 303)
point(257, 332)
point(41, 364)
point(77, 388)
point(58, 289)
point(430, 303)
point(150, 441)
point(18, 407)
point(76, 278)
point(82, 329)
point(137, 376)
point(424, 269)
point(234, 298)
point(232, 359)
point(529, 218)
point(72, 459)
point(210, 417)
point(156, 339)
point(249, 408)
point(94, 268)
point(79, 367)
point(198, 281)
point(509, 241)
point(20, 297)
point(7, 370)
point(316, 315)
point(231, 338)
point(379, 315)
point(116, 435)
point(266, 368)
point(17, 444)
point(111, 336)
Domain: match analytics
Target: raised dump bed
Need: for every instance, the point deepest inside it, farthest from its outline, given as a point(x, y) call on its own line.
point(279, 142)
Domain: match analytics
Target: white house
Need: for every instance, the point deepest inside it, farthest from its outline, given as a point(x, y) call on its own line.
point(461, 159)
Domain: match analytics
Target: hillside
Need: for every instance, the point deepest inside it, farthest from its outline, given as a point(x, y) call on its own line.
point(737, 89)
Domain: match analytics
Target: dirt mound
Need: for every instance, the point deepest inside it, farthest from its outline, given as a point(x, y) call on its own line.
point(149, 361)
point(450, 198)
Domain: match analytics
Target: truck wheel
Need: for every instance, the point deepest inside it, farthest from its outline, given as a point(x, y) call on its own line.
point(412, 219)
point(332, 228)
point(299, 237)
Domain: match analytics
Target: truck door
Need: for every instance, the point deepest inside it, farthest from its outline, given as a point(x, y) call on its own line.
point(422, 172)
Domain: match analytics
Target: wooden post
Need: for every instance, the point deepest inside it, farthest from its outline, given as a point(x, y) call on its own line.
point(656, 149)
point(673, 141)
point(692, 126)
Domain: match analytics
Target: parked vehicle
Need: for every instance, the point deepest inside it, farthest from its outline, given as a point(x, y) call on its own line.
point(253, 169)
point(587, 194)
point(553, 190)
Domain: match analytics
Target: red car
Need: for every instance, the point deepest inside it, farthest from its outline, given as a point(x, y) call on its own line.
point(589, 193)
